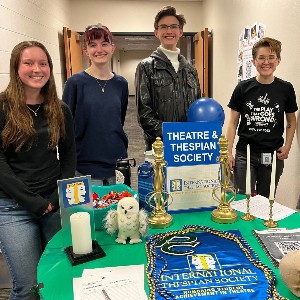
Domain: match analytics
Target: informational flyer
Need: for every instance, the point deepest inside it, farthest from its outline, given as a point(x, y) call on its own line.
point(248, 37)
point(191, 186)
point(191, 151)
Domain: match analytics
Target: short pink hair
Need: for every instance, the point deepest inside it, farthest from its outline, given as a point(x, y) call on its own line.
point(96, 32)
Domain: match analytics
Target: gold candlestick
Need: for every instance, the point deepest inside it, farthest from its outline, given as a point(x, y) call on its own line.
point(224, 213)
point(159, 218)
point(247, 216)
point(271, 223)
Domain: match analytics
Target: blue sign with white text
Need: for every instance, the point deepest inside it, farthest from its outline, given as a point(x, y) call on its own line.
point(191, 143)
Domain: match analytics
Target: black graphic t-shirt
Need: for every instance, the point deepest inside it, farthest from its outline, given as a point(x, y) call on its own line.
point(262, 108)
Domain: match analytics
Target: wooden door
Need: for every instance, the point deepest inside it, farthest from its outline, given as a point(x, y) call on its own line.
point(73, 51)
point(201, 44)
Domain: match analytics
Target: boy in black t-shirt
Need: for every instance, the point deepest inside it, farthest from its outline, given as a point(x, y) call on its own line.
point(258, 106)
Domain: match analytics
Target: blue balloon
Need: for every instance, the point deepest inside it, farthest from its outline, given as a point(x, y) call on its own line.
point(206, 109)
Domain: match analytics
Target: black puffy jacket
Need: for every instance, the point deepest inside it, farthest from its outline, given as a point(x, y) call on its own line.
point(163, 95)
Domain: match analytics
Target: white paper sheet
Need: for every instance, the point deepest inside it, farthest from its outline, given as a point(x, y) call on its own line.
point(191, 186)
point(259, 207)
point(116, 283)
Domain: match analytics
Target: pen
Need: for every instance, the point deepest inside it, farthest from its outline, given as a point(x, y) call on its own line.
point(105, 295)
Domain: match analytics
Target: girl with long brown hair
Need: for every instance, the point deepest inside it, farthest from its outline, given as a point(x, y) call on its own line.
point(35, 129)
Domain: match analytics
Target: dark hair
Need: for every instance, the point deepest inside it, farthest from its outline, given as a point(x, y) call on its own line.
point(169, 11)
point(95, 32)
point(19, 130)
point(273, 44)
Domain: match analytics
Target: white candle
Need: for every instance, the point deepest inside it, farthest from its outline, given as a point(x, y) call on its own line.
point(272, 185)
point(248, 172)
point(81, 233)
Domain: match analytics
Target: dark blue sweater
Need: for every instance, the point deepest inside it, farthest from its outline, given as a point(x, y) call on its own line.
point(99, 118)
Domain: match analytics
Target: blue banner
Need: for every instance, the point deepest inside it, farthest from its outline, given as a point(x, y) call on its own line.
point(199, 262)
point(191, 143)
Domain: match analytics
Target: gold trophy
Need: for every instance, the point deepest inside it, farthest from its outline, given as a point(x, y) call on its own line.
point(159, 218)
point(271, 223)
point(224, 213)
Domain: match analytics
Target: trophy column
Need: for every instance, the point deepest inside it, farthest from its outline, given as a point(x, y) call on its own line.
point(224, 213)
point(159, 218)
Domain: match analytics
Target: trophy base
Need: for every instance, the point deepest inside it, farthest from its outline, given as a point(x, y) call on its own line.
point(247, 217)
point(271, 223)
point(224, 215)
point(160, 219)
point(77, 259)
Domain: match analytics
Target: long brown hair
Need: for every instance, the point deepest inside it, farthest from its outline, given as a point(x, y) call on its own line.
point(18, 129)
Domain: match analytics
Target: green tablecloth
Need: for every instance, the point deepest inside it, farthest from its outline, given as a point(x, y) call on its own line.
point(56, 273)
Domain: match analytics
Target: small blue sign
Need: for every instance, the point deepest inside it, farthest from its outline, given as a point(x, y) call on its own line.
point(191, 143)
point(176, 185)
point(75, 191)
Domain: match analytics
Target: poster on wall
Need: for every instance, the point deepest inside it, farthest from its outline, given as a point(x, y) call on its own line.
point(248, 37)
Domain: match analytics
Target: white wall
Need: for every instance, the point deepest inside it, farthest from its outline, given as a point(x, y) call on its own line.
point(226, 19)
point(40, 20)
point(130, 16)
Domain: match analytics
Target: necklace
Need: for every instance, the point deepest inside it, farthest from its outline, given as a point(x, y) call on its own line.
point(91, 73)
point(34, 111)
point(102, 87)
